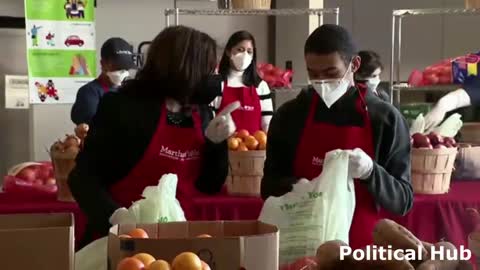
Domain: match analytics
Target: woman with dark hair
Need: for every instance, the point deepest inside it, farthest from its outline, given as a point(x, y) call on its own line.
point(369, 73)
point(241, 82)
point(158, 123)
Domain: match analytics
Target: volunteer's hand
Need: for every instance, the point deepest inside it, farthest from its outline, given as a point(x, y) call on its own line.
point(360, 165)
point(122, 216)
point(452, 101)
point(222, 126)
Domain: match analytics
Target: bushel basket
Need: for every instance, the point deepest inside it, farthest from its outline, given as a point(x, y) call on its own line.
point(251, 4)
point(432, 170)
point(246, 172)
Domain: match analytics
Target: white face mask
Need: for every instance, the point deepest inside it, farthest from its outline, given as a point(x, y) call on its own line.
point(373, 83)
point(331, 90)
point(242, 60)
point(117, 77)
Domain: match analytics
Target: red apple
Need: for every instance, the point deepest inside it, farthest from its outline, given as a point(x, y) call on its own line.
point(28, 174)
point(450, 141)
point(420, 140)
point(51, 181)
point(439, 146)
point(435, 138)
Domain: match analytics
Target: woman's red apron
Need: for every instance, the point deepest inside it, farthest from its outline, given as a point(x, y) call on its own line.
point(320, 138)
point(249, 117)
point(173, 150)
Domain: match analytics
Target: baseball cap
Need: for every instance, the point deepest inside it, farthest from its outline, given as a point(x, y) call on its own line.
point(119, 52)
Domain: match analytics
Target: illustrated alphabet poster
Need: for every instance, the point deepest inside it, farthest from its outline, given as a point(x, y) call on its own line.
point(60, 48)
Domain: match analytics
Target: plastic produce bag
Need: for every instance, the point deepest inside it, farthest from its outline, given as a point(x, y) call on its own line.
point(418, 126)
point(159, 205)
point(314, 212)
point(450, 127)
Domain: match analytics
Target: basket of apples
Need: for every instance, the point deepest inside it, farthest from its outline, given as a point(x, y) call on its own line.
point(63, 154)
point(433, 159)
point(31, 180)
point(246, 159)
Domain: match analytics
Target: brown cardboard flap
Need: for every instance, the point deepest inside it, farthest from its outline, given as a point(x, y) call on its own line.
point(37, 221)
point(37, 241)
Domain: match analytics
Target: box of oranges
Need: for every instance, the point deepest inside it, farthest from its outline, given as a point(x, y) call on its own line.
point(246, 159)
point(211, 245)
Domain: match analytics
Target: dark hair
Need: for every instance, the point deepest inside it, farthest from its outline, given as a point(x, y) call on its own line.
point(330, 38)
point(370, 62)
point(250, 76)
point(179, 59)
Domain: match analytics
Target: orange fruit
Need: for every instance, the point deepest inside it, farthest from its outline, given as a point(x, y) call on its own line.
point(204, 236)
point(205, 266)
point(159, 265)
point(261, 137)
point(262, 146)
point(130, 264)
point(187, 261)
point(138, 233)
point(242, 147)
point(233, 143)
point(145, 258)
point(251, 143)
point(124, 236)
point(242, 134)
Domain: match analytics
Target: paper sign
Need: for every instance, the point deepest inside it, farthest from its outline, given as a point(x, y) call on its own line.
point(16, 92)
point(61, 51)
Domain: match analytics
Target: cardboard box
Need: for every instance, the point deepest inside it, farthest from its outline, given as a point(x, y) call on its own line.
point(252, 245)
point(472, 3)
point(37, 241)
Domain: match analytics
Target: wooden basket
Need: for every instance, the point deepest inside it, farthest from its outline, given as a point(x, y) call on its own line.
point(246, 172)
point(251, 4)
point(63, 164)
point(470, 132)
point(432, 170)
point(472, 3)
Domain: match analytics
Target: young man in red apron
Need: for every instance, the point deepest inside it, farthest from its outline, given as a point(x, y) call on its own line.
point(336, 114)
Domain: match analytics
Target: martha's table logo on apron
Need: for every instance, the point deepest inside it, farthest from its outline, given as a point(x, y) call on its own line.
point(248, 108)
point(178, 154)
point(316, 161)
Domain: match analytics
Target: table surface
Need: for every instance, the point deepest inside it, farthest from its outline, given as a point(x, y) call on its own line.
point(432, 218)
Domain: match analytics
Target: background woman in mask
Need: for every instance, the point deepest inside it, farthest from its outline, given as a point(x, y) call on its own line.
point(369, 73)
point(241, 82)
point(140, 131)
point(116, 61)
point(334, 113)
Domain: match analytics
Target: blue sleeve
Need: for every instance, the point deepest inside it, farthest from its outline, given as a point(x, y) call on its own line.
point(472, 87)
point(85, 105)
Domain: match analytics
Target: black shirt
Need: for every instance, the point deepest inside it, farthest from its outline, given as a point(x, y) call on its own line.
point(86, 102)
point(389, 182)
point(119, 134)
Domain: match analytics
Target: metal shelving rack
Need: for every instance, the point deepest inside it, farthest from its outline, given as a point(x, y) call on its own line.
point(398, 15)
point(176, 12)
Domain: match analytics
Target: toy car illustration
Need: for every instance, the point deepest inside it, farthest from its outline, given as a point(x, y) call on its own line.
point(74, 40)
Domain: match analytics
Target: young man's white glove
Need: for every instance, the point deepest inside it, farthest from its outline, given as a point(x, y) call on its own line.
point(452, 101)
point(122, 216)
point(222, 126)
point(360, 165)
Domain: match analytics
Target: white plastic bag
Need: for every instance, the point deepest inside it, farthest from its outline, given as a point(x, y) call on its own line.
point(314, 212)
point(418, 125)
point(159, 205)
point(451, 126)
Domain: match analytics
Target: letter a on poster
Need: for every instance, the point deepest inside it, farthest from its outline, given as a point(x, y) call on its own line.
point(60, 48)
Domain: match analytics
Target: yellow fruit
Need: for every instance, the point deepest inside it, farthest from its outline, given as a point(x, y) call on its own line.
point(242, 134)
point(261, 137)
point(187, 261)
point(145, 258)
point(233, 143)
point(159, 265)
point(242, 147)
point(251, 143)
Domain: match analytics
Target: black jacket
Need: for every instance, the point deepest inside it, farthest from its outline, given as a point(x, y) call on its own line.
point(390, 180)
point(119, 134)
point(86, 102)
